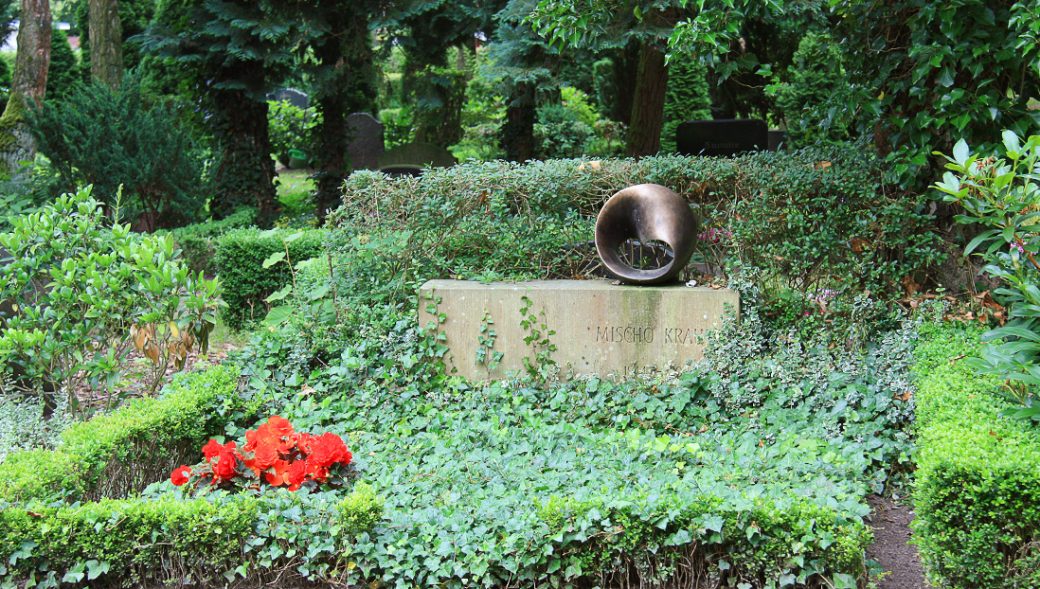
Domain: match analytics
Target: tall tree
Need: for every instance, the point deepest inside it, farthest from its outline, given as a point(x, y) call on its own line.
point(28, 85)
point(106, 42)
point(235, 51)
point(345, 82)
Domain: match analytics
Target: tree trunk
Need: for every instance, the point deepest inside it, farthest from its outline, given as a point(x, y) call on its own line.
point(644, 131)
point(626, 66)
point(349, 86)
point(28, 85)
point(245, 175)
point(106, 42)
point(518, 130)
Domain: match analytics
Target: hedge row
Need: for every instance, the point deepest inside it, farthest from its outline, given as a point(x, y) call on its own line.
point(239, 261)
point(810, 218)
point(122, 452)
point(226, 541)
point(978, 482)
point(198, 242)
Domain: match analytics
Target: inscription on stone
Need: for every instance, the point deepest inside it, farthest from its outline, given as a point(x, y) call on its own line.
point(600, 328)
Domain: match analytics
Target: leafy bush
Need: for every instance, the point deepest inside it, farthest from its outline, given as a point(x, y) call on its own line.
point(169, 541)
point(818, 98)
point(111, 138)
point(977, 496)
point(686, 97)
point(291, 128)
point(63, 73)
point(24, 424)
point(247, 280)
point(809, 219)
point(198, 242)
point(86, 293)
point(122, 452)
point(573, 128)
point(1002, 196)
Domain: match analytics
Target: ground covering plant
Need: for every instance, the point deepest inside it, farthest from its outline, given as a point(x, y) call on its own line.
point(1001, 194)
point(82, 293)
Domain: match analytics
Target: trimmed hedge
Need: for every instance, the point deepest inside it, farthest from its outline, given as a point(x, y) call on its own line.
point(239, 260)
point(225, 541)
point(198, 242)
point(122, 452)
point(808, 218)
point(978, 480)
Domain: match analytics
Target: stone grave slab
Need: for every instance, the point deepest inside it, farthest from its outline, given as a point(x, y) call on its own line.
point(366, 141)
point(602, 328)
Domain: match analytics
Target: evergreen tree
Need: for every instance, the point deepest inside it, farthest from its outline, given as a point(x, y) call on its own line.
point(64, 68)
point(234, 52)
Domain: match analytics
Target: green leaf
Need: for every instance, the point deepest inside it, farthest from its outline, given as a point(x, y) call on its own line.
point(278, 315)
point(279, 294)
point(961, 152)
point(274, 259)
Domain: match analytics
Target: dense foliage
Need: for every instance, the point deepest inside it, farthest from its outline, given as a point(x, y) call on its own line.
point(1001, 195)
point(127, 149)
point(62, 337)
point(248, 281)
point(978, 488)
point(812, 219)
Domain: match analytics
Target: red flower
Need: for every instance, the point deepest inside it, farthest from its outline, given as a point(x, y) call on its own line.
point(180, 475)
point(225, 467)
point(264, 457)
point(328, 449)
point(296, 474)
point(277, 475)
point(211, 449)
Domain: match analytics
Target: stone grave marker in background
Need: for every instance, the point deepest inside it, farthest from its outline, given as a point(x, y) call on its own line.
point(724, 137)
point(411, 158)
point(366, 141)
point(293, 96)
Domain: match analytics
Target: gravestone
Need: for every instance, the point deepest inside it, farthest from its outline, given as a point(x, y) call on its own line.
point(415, 156)
point(366, 141)
point(293, 96)
point(724, 137)
point(601, 328)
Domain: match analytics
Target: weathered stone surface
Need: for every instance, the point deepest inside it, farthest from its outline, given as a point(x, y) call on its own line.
point(601, 328)
point(366, 141)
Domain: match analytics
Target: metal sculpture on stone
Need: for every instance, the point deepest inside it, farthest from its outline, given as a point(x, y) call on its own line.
point(642, 216)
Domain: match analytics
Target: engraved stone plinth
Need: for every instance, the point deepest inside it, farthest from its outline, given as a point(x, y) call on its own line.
point(600, 328)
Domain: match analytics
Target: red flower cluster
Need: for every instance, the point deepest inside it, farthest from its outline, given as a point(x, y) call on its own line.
point(273, 453)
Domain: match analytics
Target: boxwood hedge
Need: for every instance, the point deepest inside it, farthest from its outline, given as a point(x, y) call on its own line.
point(122, 452)
point(240, 256)
point(978, 482)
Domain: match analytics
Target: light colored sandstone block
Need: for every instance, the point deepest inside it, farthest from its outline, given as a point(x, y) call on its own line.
point(600, 328)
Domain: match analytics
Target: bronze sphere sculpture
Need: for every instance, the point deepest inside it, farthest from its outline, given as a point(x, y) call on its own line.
point(641, 215)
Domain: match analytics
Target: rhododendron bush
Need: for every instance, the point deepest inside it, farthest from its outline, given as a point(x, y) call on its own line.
point(273, 454)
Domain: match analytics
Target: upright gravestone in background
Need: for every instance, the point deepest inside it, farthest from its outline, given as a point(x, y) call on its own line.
point(293, 96)
point(366, 141)
point(411, 158)
point(723, 137)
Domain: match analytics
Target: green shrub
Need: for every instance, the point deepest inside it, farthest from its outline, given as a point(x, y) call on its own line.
point(159, 541)
point(808, 219)
point(198, 242)
point(122, 452)
point(1002, 197)
point(291, 128)
point(246, 282)
point(818, 98)
point(111, 138)
point(977, 496)
point(63, 72)
point(86, 293)
point(686, 98)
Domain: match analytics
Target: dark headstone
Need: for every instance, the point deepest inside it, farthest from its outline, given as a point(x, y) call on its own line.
point(291, 95)
point(777, 139)
point(366, 141)
point(722, 137)
point(417, 155)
